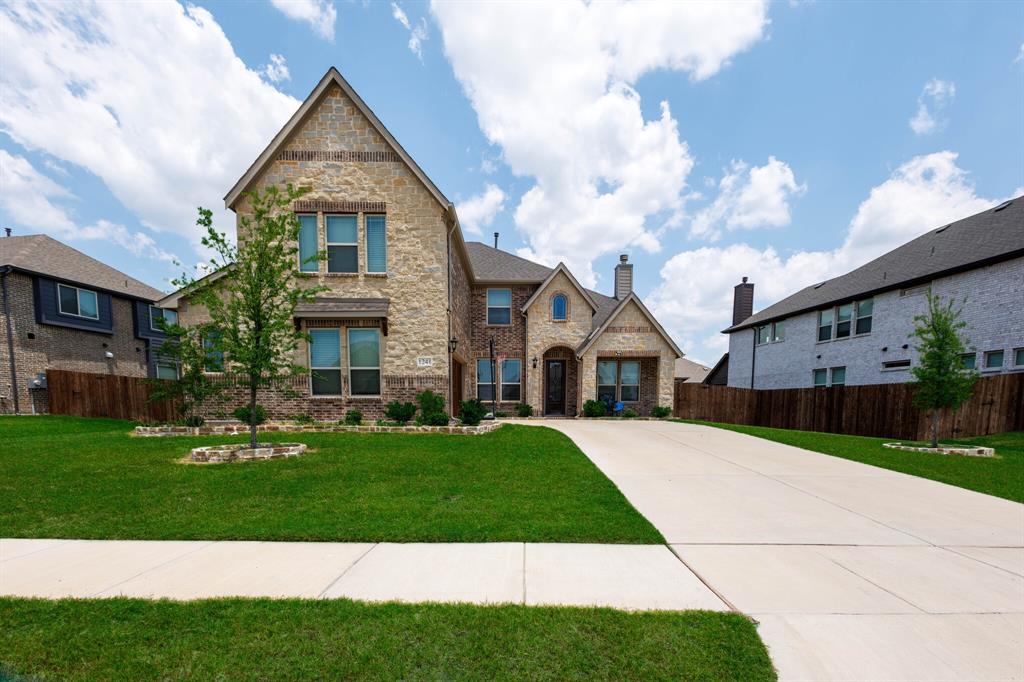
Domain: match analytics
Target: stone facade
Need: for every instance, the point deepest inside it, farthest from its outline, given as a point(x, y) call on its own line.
point(993, 295)
point(38, 347)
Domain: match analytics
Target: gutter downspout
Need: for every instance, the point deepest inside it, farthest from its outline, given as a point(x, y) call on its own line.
point(448, 285)
point(10, 338)
point(753, 356)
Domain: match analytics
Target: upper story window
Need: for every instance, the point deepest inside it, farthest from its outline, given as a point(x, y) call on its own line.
point(844, 314)
point(342, 244)
point(308, 244)
point(764, 334)
point(364, 361)
point(559, 308)
point(77, 302)
point(499, 307)
point(325, 361)
point(170, 318)
point(167, 370)
point(825, 318)
point(864, 310)
point(846, 319)
point(376, 244)
point(214, 360)
point(771, 333)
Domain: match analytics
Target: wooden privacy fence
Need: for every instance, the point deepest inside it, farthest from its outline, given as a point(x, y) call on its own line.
point(882, 410)
point(105, 395)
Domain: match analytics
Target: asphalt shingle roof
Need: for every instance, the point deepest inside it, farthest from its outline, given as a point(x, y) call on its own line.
point(43, 255)
point(993, 235)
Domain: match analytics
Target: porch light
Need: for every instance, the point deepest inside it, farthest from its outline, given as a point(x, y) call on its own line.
point(453, 343)
point(535, 362)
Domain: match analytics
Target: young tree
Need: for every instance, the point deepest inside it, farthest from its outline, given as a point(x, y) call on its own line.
point(252, 309)
point(186, 348)
point(942, 380)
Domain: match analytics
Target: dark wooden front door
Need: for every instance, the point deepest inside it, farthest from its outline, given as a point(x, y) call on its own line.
point(456, 386)
point(554, 392)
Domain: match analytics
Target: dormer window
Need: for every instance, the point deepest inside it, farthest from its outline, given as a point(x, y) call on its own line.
point(559, 308)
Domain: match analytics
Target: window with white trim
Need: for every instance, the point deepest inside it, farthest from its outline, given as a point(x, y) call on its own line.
point(837, 376)
point(821, 377)
point(1018, 357)
point(364, 361)
point(994, 359)
point(865, 309)
point(170, 318)
point(308, 246)
point(78, 302)
point(342, 243)
point(825, 318)
point(511, 380)
point(499, 307)
point(484, 380)
point(325, 361)
point(844, 315)
point(167, 370)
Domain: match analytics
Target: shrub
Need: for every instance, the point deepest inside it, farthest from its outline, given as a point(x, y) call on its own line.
point(594, 408)
point(193, 420)
point(660, 411)
point(257, 417)
point(629, 413)
point(400, 413)
point(431, 409)
point(500, 415)
point(471, 412)
point(302, 418)
point(353, 418)
point(524, 410)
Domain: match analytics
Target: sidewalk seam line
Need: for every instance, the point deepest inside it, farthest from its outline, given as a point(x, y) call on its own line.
point(347, 569)
point(152, 568)
point(732, 607)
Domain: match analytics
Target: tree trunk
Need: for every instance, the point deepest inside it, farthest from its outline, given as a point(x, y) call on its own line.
point(936, 413)
point(252, 411)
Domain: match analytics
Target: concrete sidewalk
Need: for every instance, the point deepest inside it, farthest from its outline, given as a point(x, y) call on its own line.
point(620, 576)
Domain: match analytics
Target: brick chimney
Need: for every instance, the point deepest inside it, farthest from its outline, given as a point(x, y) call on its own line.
point(742, 301)
point(623, 278)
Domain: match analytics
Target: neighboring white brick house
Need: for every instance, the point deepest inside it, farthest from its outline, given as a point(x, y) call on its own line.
point(979, 259)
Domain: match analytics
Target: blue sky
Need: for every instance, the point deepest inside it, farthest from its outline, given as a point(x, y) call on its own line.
point(787, 142)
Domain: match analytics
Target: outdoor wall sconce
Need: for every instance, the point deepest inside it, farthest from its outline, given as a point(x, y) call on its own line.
point(905, 346)
point(453, 343)
point(885, 349)
point(535, 362)
point(108, 355)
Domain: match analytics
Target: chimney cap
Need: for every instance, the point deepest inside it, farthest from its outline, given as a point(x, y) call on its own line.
point(624, 258)
point(744, 280)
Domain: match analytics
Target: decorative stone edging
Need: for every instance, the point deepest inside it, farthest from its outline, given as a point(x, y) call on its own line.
point(238, 429)
point(236, 452)
point(944, 450)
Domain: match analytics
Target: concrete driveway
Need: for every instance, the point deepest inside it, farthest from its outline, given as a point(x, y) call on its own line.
point(852, 572)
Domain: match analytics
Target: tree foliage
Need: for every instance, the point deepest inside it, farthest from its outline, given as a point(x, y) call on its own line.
point(185, 348)
point(941, 379)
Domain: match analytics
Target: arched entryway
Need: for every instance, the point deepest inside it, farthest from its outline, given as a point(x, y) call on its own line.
point(559, 376)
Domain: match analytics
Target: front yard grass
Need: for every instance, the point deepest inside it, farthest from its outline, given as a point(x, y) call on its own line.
point(67, 477)
point(341, 639)
point(1002, 475)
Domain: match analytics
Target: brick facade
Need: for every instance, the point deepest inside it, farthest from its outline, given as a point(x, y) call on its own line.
point(509, 340)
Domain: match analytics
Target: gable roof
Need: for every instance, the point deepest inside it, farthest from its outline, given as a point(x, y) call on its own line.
point(719, 374)
point(332, 77)
point(593, 336)
point(494, 265)
point(690, 371)
point(560, 268)
point(40, 254)
point(994, 235)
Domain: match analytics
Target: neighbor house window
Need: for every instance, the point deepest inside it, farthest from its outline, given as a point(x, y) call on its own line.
point(606, 376)
point(77, 302)
point(838, 376)
point(308, 244)
point(510, 380)
point(170, 318)
point(844, 314)
point(559, 308)
point(166, 370)
point(825, 325)
point(364, 361)
point(499, 306)
point(376, 244)
point(629, 381)
point(484, 380)
point(764, 334)
point(325, 361)
point(865, 309)
point(779, 331)
point(896, 364)
point(820, 377)
point(970, 360)
point(1018, 357)
point(342, 243)
point(214, 358)
point(994, 359)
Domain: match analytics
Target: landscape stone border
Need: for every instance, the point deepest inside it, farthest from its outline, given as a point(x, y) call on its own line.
point(231, 429)
point(971, 451)
point(241, 452)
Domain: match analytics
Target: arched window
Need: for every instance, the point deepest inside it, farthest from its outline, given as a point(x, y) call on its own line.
point(559, 307)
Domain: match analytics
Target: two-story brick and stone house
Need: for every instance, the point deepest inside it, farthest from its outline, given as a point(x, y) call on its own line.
point(411, 306)
point(61, 309)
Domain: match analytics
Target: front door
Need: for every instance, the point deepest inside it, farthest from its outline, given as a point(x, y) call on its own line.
point(554, 398)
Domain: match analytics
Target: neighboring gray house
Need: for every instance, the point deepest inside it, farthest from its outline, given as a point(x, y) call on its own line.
point(855, 328)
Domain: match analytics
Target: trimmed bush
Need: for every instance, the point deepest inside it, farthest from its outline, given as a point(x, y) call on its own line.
point(594, 408)
point(629, 413)
point(353, 418)
point(471, 412)
point(400, 413)
point(193, 420)
point(660, 411)
point(302, 418)
point(524, 410)
point(431, 409)
point(258, 416)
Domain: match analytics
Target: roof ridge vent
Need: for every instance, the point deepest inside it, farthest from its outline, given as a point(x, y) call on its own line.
point(1001, 206)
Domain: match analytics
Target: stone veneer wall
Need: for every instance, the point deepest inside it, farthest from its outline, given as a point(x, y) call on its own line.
point(509, 340)
point(57, 347)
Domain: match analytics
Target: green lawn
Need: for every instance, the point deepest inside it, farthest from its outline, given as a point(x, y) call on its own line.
point(340, 639)
point(87, 478)
point(1002, 476)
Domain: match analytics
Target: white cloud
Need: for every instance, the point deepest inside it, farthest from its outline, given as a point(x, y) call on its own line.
point(172, 127)
point(694, 297)
point(319, 14)
point(417, 33)
point(1020, 55)
point(277, 70)
point(749, 198)
point(478, 212)
point(936, 96)
point(29, 199)
point(551, 84)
